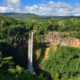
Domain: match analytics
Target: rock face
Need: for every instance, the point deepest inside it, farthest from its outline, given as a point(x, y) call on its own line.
point(56, 38)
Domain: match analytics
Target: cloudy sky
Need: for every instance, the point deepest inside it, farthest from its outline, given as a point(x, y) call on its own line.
point(42, 7)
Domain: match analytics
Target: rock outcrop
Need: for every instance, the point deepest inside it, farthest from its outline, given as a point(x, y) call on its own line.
point(56, 38)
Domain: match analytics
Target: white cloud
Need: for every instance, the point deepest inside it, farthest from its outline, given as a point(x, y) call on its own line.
point(10, 6)
point(76, 11)
point(77, 4)
point(13, 3)
point(55, 9)
point(50, 8)
point(4, 9)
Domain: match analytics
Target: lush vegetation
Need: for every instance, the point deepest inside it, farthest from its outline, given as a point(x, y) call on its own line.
point(63, 63)
point(41, 25)
point(8, 71)
point(24, 16)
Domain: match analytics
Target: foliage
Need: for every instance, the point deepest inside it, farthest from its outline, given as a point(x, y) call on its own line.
point(64, 63)
point(14, 33)
point(12, 27)
point(75, 34)
point(5, 63)
point(11, 72)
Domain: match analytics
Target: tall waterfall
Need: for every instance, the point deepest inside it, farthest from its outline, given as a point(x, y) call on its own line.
point(30, 52)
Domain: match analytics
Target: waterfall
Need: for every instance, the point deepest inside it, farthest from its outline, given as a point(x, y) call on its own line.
point(30, 52)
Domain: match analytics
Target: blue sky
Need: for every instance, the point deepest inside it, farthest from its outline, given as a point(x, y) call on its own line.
point(42, 7)
point(31, 2)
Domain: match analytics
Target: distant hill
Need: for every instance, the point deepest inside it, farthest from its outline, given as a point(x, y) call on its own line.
point(23, 15)
point(20, 15)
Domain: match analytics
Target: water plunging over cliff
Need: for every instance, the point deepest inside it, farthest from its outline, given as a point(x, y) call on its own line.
point(30, 52)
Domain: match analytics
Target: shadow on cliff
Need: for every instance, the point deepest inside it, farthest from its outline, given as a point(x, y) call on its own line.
point(18, 54)
point(36, 62)
point(39, 71)
point(40, 55)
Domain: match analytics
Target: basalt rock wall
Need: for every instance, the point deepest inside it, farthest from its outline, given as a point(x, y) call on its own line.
point(56, 38)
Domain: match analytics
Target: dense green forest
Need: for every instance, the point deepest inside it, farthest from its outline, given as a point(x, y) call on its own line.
point(8, 71)
point(41, 25)
point(63, 63)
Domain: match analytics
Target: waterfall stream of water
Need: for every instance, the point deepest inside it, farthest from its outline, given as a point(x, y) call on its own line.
point(30, 52)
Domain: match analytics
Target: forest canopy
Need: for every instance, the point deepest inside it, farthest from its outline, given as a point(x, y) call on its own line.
point(41, 25)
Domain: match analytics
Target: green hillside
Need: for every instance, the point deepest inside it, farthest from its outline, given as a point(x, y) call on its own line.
point(24, 16)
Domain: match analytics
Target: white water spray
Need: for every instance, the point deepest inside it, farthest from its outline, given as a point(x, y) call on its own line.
point(30, 52)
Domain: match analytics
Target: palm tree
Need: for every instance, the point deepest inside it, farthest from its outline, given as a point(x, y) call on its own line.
point(1, 23)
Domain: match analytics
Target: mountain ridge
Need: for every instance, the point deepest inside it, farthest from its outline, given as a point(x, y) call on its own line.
point(32, 16)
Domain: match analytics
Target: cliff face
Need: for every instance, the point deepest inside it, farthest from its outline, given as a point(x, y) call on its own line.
point(56, 38)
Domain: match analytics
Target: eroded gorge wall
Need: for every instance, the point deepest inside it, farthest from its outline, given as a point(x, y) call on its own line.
point(56, 38)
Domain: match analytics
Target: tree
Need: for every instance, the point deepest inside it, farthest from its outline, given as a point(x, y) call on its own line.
point(1, 25)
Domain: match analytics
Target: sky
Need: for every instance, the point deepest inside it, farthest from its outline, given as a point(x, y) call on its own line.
point(42, 7)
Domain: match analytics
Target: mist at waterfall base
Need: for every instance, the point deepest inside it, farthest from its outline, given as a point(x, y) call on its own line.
point(30, 52)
